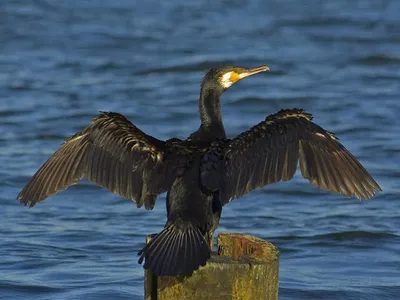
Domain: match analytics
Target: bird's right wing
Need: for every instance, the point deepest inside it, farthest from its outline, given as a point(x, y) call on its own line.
point(113, 153)
point(270, 151)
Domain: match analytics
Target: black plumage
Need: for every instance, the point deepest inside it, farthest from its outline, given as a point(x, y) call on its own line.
point(202, 173)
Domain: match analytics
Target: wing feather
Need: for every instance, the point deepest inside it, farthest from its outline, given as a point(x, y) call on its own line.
point(112, 153)
point(270, 152)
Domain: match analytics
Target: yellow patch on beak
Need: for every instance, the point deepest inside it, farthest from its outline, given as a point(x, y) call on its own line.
point(234, 77)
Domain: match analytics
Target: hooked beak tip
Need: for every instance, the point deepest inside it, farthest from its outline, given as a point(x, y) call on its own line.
point(262, 69)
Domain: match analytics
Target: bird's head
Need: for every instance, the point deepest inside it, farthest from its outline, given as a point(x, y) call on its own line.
point(228, 75)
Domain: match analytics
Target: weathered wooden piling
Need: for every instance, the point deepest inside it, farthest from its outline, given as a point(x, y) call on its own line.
point(245, 268)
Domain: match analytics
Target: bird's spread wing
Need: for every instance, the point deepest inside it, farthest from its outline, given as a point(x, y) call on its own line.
point(114, 154)
point(270, 151)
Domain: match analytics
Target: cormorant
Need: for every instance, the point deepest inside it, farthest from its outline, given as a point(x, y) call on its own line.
point(202, 173)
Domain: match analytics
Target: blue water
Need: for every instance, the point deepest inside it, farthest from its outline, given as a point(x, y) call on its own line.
point(63, 61)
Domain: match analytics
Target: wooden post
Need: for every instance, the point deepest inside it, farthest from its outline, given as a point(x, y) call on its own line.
point(245, 268)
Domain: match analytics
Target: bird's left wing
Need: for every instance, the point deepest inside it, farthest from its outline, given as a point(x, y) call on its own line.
point(113, 153)
point(269, 152)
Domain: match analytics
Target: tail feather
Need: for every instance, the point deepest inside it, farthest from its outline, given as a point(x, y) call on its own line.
point(175, 251)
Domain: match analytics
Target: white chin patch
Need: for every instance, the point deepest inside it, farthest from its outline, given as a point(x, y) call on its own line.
point(226, 80)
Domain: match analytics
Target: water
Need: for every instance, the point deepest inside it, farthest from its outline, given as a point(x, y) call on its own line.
point(62, 62)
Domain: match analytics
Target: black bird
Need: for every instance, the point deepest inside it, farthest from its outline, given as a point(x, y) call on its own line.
point(202, 173)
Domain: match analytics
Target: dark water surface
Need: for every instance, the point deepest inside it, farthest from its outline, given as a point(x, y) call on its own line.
point(63, 61)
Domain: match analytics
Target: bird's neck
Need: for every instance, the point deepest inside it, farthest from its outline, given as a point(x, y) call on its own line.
point(210, 113)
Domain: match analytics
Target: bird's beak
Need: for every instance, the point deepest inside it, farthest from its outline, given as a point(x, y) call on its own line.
point(252, 71)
